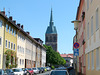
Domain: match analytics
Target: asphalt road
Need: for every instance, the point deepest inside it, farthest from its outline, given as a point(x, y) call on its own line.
point(46, 73)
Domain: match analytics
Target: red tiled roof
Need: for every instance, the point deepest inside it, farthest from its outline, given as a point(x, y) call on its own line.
point(67, 55)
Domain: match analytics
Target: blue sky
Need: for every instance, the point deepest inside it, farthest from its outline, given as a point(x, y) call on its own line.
point(35, 16)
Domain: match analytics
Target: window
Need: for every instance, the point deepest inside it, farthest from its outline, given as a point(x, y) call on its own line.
point(97, 58)
point(9, 44)
point(91, 25)
point(0, 23)
point(12, 46)
point(97, 20)
point(18, 49)
point(88, 31)
point(87, 4)
point(20, 61)
point(88, 61)
point(27, 62)
point(23, 50)
point(12, 31)
point(6, 43)
point(0, 41)
point(7, 27)
point(92, 59)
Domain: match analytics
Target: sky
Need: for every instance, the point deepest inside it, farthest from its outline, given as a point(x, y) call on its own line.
point(35, 16)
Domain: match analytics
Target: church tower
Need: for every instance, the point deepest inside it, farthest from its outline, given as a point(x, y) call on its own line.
point(51, 34)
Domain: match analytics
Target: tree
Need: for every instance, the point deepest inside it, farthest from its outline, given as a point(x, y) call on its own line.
point(53, 57)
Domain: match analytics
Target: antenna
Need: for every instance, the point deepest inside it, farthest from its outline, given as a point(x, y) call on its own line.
point(9, 12)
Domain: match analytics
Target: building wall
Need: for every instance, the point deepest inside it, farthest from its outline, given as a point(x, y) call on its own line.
point(81, 37)
point(51, 40)
point(28, 52)
point(43, 58)
point(38, 56)
point(1, 46)
point(10, 36)
point(21, 50)
point(92, 42)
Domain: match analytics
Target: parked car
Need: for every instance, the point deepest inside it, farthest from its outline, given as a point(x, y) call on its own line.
point(9, 72)
point(48, 68)
point(30, 70)
point(36, 70)
point(42, 69)
point(61, 68)
point(2, 72)
point(18, 71)
point(45, 69)
point(25, 71)
point(59, 72)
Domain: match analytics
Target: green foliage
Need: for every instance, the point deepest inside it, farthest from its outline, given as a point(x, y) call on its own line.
point(10, 62)
point(53, 57)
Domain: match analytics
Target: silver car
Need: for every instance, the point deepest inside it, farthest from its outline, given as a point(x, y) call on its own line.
point(36, 70)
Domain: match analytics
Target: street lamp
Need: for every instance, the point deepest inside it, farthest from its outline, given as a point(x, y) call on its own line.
point(76, 23)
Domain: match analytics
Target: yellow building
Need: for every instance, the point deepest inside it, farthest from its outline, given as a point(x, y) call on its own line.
point(92, 50)
point(8, 34)
point(1, 39)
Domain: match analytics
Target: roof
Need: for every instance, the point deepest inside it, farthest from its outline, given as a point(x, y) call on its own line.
point(51, 29)
point(10, 21)
point(66, 55)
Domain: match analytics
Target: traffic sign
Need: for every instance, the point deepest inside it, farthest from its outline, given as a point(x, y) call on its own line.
point(76, 52)
point(76, 45)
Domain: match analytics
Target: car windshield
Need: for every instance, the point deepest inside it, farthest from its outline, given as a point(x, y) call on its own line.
point(17, 70)
point(39, 68)
point(58, 73)
point(29, 69)
point(8, 71)
point(34, 68)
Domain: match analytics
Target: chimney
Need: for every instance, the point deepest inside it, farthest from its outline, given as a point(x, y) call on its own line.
point(22, 26)
point(28, 33)
point(10, 18)
point(3, 12)
point(18, 24)
point(14, 21)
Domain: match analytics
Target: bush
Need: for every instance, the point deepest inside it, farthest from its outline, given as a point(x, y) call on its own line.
point(52, 67)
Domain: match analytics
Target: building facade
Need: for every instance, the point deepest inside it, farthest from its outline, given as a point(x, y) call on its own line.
point(92, 37)
point(51, 35)
point(17, 47)
point(1, 39)
point(81, 68)
point(21, 42)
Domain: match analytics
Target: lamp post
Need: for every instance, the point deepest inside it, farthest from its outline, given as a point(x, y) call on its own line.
point(76, 23)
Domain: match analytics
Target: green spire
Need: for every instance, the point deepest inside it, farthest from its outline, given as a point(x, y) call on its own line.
point(51, 18)
point(51, 28)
